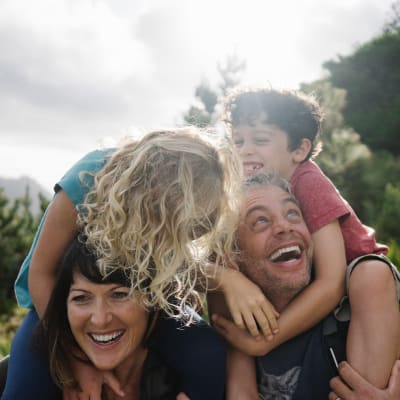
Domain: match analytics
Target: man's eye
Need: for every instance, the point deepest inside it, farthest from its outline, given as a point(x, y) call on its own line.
point(293, 213)
point(261, 220)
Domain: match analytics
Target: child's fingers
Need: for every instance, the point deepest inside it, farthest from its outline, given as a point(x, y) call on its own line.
point(182, 396)
point(272, 316)
point(263, 323)
point(114, 384)
point(238, 319)
point(222, 325)
point(251, 324)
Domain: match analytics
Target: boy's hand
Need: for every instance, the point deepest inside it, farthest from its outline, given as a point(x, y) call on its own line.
point(239, 338)
point(182, 396)
point(351, 386)
point(248, 305)
point(90, 382)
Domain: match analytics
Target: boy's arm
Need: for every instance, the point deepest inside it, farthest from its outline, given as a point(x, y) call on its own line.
point(240, 371)
point(326, 290)
point(241, 382)
point(311, 305)
point(244, 301)
point(58, 230)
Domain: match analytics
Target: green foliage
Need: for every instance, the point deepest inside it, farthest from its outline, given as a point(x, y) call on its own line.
point(342, 147)
point(9, 323)
point(388, 226)
point(17, 229)
point(368, 181)
point(371, 78)
point(394, 253)
point(205, 112)
point(394, 19)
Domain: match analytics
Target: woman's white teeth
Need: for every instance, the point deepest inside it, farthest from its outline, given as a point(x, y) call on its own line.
point(107, 338)
point(284, 251)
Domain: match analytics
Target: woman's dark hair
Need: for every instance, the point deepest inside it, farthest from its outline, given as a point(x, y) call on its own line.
point(54, 336)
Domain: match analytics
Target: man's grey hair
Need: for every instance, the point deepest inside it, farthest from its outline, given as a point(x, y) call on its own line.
point(264, 179)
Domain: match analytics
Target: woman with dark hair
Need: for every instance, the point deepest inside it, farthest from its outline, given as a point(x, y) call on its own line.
point(99, 320)
point(156, 207)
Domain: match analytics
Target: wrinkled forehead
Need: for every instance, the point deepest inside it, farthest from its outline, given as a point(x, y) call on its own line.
point(266, 197)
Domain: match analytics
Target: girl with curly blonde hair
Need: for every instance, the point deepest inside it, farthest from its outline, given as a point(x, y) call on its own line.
point(158, 208)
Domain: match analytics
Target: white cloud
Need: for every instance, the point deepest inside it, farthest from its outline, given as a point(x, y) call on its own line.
point(75, 71)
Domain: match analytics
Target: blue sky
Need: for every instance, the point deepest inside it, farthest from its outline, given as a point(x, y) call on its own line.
point(74, 74)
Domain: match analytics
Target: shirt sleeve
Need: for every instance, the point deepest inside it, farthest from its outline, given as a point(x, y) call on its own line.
point(320, 201)
point(78, 180)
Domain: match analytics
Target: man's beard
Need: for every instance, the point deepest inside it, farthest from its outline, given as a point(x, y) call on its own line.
point(279, 290)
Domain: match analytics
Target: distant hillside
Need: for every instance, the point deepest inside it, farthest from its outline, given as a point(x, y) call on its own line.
point(16, 188)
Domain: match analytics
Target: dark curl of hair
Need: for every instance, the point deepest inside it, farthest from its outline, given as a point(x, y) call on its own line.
point(295, 113)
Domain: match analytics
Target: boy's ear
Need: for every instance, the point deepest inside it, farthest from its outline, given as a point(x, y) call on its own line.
point(300, 154)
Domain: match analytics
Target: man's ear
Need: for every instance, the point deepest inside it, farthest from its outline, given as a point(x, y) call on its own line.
point(300, 154)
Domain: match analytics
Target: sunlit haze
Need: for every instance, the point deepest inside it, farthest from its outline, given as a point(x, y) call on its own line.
point(75, 73)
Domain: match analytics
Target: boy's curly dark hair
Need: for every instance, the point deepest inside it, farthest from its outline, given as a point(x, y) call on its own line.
point(297, 114)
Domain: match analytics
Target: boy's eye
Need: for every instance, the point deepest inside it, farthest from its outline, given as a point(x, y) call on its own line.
point(262, 140)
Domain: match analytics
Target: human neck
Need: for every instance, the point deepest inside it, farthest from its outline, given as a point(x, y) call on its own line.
point(280, 299)
point(129, 375)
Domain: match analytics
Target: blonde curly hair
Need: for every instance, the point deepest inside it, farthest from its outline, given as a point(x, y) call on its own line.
point(159, 209)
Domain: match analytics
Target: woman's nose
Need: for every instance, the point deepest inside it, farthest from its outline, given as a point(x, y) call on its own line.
point(101, 313)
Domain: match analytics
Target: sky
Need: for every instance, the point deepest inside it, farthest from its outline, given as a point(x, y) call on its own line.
point(79, 74)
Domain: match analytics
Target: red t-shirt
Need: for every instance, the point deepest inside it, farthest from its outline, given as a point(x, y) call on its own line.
point(321, 203)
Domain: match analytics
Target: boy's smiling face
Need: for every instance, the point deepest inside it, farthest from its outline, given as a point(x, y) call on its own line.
point(264, 147)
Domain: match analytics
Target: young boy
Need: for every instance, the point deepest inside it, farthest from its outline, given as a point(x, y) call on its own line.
point(278, 131)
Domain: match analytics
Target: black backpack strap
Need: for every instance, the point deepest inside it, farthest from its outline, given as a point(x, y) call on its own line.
point(334, 334)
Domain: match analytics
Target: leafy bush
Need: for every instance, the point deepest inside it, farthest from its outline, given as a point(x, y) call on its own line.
point(8, 325)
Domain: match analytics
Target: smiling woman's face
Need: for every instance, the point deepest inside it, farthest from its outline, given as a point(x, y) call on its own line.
point(108, 324)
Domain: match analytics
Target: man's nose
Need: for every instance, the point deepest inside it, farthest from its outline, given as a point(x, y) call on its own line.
point(101, 313)
point(281, 225)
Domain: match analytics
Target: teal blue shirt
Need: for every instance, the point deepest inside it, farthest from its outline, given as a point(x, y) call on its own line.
point(76, 185)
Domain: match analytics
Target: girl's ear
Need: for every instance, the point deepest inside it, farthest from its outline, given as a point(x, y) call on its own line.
point(301, 153)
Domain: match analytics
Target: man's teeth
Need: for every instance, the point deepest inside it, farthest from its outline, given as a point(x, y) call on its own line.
point(285, 250)
point(106, 338)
